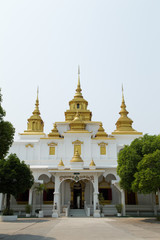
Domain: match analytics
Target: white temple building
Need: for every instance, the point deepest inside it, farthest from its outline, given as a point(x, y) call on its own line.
point(76, 161)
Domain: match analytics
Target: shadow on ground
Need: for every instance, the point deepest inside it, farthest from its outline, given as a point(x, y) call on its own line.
point(31, 220)
point(151, 220)
point(24, 237)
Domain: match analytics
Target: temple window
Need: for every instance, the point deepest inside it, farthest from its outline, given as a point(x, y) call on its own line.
point(77, 105)
point(77, 148)
point(52, 151)
point(103, 150)
point(52, 148)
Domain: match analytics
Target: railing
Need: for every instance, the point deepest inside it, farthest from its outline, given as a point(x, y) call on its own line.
point(87, 209)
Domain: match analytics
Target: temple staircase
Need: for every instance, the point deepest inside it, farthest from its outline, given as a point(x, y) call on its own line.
point(77, 213)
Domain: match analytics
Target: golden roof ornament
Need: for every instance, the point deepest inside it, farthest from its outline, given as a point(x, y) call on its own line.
point(54, 132)
point(76, 157)
point(61, 164)
point(78, 93)
point(78, 103)
point(35, 123)
point(77, 124)
point(124, 123)
point(101, 132)
point(92, 164)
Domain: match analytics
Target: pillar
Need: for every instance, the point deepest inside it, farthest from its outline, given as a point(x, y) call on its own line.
point(57, 194)
point(123, 202)
point(95, 194)
point(1, 198)
point(30, 196)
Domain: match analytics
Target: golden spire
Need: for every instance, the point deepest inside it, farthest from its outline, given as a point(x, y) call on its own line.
point(78, 103)
point(78, 93)
point(36, 110)
point(54, 132)
point(124, 123)
point(76, 157)
point(101, 133)
point(61, 164)
point(92, 164)
point(35, 123)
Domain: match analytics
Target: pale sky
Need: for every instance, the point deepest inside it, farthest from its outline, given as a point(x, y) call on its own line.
point(114, 42)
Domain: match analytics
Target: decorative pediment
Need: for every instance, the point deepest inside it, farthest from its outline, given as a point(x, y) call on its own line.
point(77, 142)
point(29, 145)
point(52, 144)
point(102, 144)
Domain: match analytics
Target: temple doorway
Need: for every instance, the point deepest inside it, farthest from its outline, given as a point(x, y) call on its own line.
point(77, 195)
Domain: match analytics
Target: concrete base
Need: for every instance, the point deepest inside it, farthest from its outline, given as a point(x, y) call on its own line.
point(8, 218)
point(55, 214)
point(96, 213)
point(40, 214)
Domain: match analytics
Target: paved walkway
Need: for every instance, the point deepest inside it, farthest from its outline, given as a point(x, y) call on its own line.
point(81, 229)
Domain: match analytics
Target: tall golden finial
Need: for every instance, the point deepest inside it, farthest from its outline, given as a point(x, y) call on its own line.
point(124, 123)
point(78, 90)
point(36, 110)
point(35, 123)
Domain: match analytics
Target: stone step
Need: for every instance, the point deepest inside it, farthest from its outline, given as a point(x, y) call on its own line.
point(77, 213)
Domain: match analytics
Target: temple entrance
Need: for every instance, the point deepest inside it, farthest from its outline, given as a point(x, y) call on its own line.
point(77, 195)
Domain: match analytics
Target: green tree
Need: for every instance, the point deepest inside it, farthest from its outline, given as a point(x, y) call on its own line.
point(127, 166)
point(147, 177)
point(15, 177)
point(135, 166)
point(6, 132)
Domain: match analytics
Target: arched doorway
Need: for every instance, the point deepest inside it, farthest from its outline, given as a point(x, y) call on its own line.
point(77, 194)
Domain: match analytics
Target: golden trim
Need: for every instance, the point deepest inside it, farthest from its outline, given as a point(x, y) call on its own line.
point(32, 133)
point(84, 131)
point(102, 144)
point(127, 133)
point(52, 144)
point(104, 138)
point(29, 145)
point(77, 142)
point(53, 138)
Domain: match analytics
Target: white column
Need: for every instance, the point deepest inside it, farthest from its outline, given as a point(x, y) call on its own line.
point(91, 192)
point(62, 192)
point(1, 198)
point(57, 193)
point(123, 202)
point(30, 196)
point(95, 194)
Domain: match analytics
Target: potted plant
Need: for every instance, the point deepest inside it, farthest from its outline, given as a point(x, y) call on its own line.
point(28, 209)
point(39, 190)
point(101, 201)
point(8, 215)
point(119, 209)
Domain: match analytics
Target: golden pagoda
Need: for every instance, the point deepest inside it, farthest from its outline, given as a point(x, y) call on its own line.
point(35, 123)
point(101, 133)
point(77, 124)
point(78, 103)
point(61, 164)
point(92, 164)
point(124, 123)
point(54, 132)
point(76, 157)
